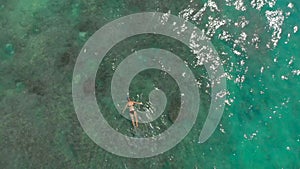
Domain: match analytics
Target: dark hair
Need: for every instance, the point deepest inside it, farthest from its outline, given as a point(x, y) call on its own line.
point(128, 99)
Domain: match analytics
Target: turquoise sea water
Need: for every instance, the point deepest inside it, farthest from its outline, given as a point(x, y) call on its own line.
point(257, 41)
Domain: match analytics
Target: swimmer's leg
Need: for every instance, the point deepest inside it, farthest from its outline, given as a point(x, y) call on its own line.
point(136, 119)
point(132, 119)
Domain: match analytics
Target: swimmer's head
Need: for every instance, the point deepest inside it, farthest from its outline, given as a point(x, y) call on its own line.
point(128, 99)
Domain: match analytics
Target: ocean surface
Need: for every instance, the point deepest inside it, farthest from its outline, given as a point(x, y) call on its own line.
point(257, 42)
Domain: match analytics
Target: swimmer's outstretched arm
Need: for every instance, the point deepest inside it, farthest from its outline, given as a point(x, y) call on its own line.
point(137, 102)
point(125, 108)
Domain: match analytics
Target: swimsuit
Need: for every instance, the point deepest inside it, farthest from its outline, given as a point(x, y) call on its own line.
point(131, 112)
